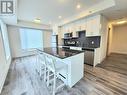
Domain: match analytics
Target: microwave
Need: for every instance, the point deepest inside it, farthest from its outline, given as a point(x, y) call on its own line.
point(67, 35)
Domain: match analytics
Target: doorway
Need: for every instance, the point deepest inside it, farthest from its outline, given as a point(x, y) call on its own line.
point(117, 39)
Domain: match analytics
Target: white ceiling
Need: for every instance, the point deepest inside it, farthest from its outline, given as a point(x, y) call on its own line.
point(49, 10)
point(119, 11)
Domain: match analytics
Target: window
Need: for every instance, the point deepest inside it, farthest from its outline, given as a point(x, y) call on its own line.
point(31, 38)
point(5, 40)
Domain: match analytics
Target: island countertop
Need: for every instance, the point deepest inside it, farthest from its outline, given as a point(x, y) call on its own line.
point(60, 52)
point(74, 61)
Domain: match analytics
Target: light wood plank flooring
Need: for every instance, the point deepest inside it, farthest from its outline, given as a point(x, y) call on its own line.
point(23, 80)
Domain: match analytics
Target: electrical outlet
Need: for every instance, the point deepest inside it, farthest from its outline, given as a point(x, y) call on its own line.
point(92, 42)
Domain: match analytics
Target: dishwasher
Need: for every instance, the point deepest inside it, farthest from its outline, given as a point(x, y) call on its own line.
point(89, 56)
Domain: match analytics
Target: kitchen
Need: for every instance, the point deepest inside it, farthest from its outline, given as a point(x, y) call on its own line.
point(63, 47)
point(90, 34)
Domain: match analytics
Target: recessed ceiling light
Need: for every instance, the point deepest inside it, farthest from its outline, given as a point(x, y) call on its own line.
point(78, 6)
point(121, 22)
point(37, 20)
point(60, 17)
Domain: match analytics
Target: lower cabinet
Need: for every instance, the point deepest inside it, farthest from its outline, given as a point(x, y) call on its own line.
point(91, 56)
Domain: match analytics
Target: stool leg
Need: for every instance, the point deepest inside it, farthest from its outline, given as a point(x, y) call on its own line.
point(40, 70)
point(54, 85)
point(45, 74)
point(37, 63)
point(48, 78)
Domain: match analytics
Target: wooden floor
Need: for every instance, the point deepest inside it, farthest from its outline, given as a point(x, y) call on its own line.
point(116, 63)
point(109, 78)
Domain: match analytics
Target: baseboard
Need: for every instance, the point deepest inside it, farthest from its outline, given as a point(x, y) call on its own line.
point(118, 53)
point(23, 56)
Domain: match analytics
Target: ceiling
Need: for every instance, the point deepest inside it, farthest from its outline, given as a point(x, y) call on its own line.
point(119, 11)
point(49, 10)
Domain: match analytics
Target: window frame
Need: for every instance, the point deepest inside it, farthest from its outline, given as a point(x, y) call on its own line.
point(32, 49)
point(4, 33)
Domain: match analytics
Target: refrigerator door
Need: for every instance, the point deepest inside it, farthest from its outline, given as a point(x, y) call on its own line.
point(54, 45)
point(54, 39)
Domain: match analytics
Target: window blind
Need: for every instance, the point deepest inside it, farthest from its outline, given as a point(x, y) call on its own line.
point(31, 38)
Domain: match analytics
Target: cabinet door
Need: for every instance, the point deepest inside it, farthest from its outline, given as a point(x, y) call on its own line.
point(66, 29)
point(62, 31)
point(89, 26)
point(71, 28)
point(83, 24)
point(78, 26)
point(93, 26)
point(75, 29)
point(96, 26)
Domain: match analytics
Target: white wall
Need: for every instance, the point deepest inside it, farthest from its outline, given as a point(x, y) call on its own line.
point(104, 38)
point(4, 64)
point(101, 53)
point(119, 39)
point(26, 24)
point(15, 42)
point(47, 39)
point(110, 39)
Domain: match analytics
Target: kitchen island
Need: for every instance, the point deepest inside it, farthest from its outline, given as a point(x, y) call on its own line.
point(74, 59)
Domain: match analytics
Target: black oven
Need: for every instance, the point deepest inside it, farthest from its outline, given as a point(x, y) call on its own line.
point(71, 42)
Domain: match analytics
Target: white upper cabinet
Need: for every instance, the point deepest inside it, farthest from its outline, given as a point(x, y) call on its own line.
point(83, 24)
point(62, 31)
point(70, 28)
point(96, 25)
point(90, 24)
point(93, 26)
point(66, 29)
point(78, 26)
point(73, 29)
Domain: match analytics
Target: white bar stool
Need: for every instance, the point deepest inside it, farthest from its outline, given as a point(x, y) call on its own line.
point(54, 69)
point(41, 64)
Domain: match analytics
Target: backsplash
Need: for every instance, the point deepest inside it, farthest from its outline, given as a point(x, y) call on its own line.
point(83, 41)
point(92, 42)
